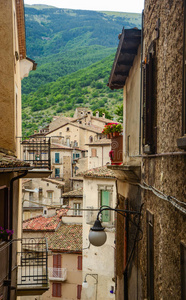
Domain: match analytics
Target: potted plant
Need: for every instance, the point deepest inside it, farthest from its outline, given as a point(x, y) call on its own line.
point(5, 234)
point(112, 129)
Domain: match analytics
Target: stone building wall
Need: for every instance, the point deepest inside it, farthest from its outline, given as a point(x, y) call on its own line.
point(165, 172)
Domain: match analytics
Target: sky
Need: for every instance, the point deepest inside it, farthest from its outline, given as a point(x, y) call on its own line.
point(103, 5)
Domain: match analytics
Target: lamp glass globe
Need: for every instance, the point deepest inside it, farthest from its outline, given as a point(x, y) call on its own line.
point(97, 238)
point(85, 284)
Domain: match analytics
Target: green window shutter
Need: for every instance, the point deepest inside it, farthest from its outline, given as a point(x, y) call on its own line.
point(57, 158)
point(105, 200)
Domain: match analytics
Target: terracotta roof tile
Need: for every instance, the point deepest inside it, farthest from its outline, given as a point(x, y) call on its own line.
point(9, 161)
point(102, 172)
point(41, 223)
point(66, 238)
point(74, 193)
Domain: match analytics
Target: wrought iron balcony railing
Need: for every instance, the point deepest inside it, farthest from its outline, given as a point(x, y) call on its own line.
point(59, 274)
point(36, 151)
point(33, 265)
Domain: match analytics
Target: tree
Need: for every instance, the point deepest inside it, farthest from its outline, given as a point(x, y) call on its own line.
point(119, 112)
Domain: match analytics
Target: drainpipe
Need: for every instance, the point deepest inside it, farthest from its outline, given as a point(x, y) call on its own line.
point(11, 227)
point(140, 120)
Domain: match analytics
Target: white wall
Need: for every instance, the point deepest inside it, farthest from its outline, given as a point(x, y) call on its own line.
point(98, 260)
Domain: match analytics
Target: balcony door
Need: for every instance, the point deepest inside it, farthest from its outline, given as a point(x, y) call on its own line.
point(57, 265)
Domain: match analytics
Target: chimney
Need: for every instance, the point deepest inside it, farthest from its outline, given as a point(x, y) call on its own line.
point(103, 115)
point(97, 114)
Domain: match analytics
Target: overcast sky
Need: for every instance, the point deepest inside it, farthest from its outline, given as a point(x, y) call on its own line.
point(104, 5)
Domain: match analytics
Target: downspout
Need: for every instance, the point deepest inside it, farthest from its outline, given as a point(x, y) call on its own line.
point(11, 227)
point(140, 119)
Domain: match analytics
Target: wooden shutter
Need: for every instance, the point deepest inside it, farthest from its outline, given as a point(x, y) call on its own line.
point(4, 208)
point(149, 104)
point(150, 256)
point(79, 288)
point(93, 152)
point(56, 289)
point(105, 200)
point(79, 262)
point(57, 265)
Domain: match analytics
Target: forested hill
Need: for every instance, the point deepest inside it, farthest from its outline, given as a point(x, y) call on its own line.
point(63, 41)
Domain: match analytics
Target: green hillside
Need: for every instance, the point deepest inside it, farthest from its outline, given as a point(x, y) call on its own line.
point(74, 50)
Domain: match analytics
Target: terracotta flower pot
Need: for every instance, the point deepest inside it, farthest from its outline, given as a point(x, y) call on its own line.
point(115, 134)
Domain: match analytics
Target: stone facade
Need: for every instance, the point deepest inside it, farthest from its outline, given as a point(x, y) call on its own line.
point(165, 172)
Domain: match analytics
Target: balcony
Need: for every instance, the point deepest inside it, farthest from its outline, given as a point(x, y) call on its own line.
point(32, 271)
point(36, 151)
point(58, 274)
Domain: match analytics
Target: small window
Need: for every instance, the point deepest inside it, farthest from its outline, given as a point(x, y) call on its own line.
point(79, 288)
point(77, 206)
point(57, 172)
point(50, 195)
point(93, 152)
point(90, 139)
point(56, 289)
point(57, 158)
point(79, 266)
point(68, 129)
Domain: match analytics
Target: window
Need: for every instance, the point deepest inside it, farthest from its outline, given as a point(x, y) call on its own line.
point(56, 289)
point(50, 195)
point(68, 142)
point(79, 266)
point(77, 206)
point(68, 129)
point(150, 256)
point(93, 152)
point(57, 172)
point(183, 270)
point(79, 288)
point(149, 103)
point(105, 200)
point(57, 158)
point(90, 139)
point(76, 155)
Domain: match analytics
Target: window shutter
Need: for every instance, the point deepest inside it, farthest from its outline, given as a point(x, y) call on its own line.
point(56, 289)
point(4, 208)
point(105, 200)
point(79, 262)
point(79, 288)
point(149, 106)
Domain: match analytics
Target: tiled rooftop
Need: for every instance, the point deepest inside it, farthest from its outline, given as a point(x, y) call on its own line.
point(66, 238)
point(41, 223)
point(102, 172)
point(74, 193)
point(7, 160)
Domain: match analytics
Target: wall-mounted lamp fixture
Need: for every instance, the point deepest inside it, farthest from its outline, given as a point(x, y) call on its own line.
point(85, 283)
point(97, 235)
